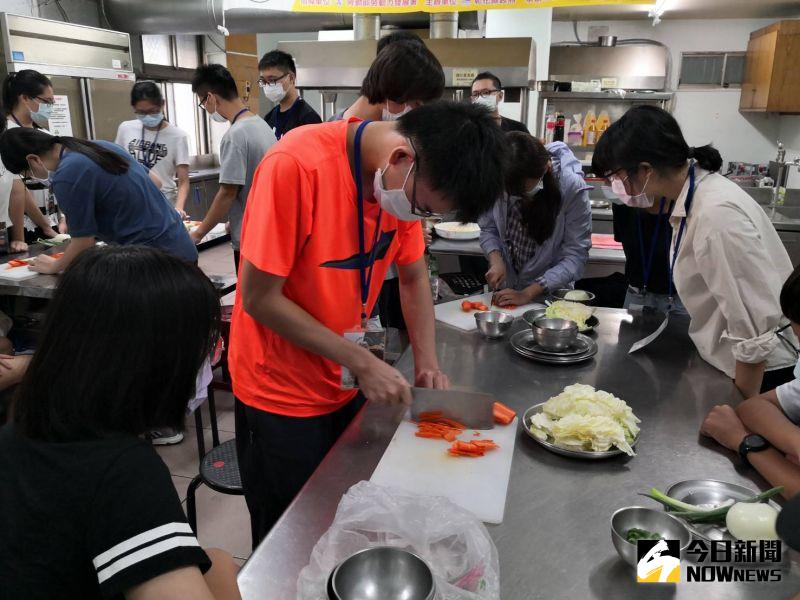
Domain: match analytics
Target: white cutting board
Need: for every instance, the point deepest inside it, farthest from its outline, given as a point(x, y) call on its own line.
point(422, 466)
point(451, 313)
point(16, 273)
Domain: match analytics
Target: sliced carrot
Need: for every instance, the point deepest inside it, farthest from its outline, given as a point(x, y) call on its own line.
point(502, 414)
point(466, 306)
point(57, 255)
point(476, 434)
point(480, 307)
point(452, 423)
point(422, 434)
point(14, 263)
point(430, 415)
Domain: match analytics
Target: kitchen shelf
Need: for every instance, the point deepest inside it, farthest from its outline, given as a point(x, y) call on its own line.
point(629, 97)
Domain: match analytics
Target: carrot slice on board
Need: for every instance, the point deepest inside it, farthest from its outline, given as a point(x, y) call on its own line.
point(503, 414)
point(431, 415)
point(466, 306)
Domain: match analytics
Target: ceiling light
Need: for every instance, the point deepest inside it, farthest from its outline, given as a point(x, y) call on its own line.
point(657, 11)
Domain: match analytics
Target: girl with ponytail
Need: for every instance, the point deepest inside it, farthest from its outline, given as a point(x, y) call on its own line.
point(727, 262)
point(537, 236)
point(103, 192)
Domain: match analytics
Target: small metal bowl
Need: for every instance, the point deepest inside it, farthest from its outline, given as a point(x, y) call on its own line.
point(493, 324)
point(559, 295)
point(656, 521)
point(383, 573)
point(555, 334)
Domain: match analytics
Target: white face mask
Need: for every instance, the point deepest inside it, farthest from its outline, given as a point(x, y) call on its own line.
point(640, 200)
point(394, 202)
point(41, 180)
point(274, 92)
point(536, 189)
point(489, 101)
point(215, 116)
point(387, 115)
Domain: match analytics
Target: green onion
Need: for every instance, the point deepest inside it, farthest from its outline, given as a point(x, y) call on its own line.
point(694, 514)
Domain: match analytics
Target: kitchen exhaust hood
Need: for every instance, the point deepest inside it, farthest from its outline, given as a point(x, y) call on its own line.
point(625, 66)
point(338, 65)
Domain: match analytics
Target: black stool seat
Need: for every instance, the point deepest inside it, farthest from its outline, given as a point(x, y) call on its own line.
point(220, 469)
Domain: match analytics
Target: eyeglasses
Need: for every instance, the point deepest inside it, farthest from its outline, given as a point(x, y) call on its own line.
point(789, 344)
point(202, 103)
point(49, 101)
point(483, 94)
point(415, 209)
point(270, 80)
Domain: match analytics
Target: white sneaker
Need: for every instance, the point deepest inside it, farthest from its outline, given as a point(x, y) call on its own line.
point(165, 437)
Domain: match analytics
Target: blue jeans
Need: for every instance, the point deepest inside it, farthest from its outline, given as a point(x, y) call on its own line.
point(659, 302)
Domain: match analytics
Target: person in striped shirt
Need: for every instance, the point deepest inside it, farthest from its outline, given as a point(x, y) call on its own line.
point(87, 507)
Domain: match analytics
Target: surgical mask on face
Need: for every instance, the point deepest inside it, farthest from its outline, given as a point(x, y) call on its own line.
point(215, 116)
point(535, 190)
point(151, 120)
point(45, 181)
point(42, 116)
point(387, 115)
point(274, 92)
point(394, 202)
point(640, 200)
point(489, 101)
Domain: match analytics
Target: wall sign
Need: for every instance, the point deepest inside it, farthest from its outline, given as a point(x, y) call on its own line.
point(464, 77)
point(60, 121)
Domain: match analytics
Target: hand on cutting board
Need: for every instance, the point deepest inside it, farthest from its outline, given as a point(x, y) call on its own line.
point(383, 384)
point(44, 264)
point(509, 297)
point(432, 378)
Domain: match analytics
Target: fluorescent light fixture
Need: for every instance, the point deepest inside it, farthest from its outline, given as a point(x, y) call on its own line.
point(657, 11)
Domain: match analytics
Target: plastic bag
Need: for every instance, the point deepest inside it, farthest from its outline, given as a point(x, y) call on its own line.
point(453, 542)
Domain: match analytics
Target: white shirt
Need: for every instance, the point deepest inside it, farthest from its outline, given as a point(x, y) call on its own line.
point(729, 273)
point(6, 181)
point(41, 197)
point(171, 151)
point(789, 399)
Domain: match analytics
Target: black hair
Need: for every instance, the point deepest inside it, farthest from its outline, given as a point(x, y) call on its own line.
point(404, 71)
point(24, 83)
point(529, 159)
point(279, 59)
point(790, 297)
point(648, 134)
point(121, 346)
point(146, 90)
point(17, 143)
point(487, 75)
point(461, 152)
point(214, 79)
point(399, 35)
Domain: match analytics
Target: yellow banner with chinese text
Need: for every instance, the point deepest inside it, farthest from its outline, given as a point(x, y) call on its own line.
point(404, 6)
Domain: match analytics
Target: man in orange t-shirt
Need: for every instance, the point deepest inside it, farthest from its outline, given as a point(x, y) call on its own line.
point(315, 252)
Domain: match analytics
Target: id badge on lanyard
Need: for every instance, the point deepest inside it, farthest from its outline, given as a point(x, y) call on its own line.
point(371, 337)
point(639, 297)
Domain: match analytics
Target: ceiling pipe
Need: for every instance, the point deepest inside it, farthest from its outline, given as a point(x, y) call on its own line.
point(443, 26)
point(206, 16)
point(366, 26)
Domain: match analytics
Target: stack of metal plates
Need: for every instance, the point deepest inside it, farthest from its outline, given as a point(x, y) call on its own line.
point(523, 344)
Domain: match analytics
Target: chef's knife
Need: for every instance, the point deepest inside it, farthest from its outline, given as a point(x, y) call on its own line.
point(469, 408)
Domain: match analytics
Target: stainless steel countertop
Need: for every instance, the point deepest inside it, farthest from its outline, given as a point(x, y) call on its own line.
point(473, 248)
point(210, 260)
point(555, 542)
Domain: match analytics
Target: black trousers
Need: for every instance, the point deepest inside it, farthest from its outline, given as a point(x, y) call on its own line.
point(389, 306)
point(277, 455)
point(236, 258)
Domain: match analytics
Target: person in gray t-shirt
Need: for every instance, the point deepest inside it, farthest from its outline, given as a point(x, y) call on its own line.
point(241, 150)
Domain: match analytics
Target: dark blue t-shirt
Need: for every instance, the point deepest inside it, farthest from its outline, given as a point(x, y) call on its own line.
point(120, 209)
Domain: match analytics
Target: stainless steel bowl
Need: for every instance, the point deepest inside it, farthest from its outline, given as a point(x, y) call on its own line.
point(559, 295)
point(383, 573)
point(554, 334)
point(656, 521)
point(493, 323)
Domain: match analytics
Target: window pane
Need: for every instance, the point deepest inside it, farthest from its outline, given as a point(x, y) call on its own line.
point(186, 113)
point(186, 45)
point(698, 70)
point(734, 69)
point(156, 50)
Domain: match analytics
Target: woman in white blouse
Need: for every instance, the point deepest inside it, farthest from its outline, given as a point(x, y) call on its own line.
point(728, 263)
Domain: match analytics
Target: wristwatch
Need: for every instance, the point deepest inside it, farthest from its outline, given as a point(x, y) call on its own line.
point(752, 443)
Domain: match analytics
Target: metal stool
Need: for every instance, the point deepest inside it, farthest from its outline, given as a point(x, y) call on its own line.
point(219, 468)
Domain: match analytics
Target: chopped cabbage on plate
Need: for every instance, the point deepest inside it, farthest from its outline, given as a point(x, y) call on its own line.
point(571, 311)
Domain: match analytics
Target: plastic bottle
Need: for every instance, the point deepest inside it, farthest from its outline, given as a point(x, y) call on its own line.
point(603, 123)
point(549, 128)
point(433, 275)
point(590, 128)
point(575, 135)
point(558, 132)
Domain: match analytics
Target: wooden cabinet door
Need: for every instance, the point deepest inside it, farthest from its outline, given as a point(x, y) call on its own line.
point(785, 85)
point(758, 72)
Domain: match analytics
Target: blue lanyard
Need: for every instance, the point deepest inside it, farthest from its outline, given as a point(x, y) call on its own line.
point(647, 263)
point(687, 208)
point(365, 261)
point(239, 114)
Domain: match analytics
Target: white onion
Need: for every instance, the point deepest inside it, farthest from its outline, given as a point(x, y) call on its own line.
point(752, 521)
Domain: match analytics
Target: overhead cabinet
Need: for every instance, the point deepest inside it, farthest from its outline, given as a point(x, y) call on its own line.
point(772, 71)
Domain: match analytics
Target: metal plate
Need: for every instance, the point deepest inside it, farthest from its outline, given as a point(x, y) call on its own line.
point(582, 345)
point(583, 454)
point(522, 338)
point(710, 491)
